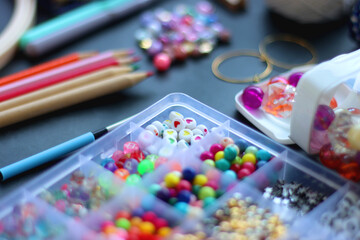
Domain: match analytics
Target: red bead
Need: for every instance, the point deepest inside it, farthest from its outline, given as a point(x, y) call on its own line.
point(160, 222)
point(249, 166)
point(117, 155)
point(243, 173)
point(179, 53)
point(123, 214)
point(235, 167)
point(207, 155)
point(216, 148)
point(149, 217)
point(350, 171)
point(162, 61)
point(329, 158)
point(183, 185)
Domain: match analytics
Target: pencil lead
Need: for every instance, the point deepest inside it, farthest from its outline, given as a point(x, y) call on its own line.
point(135, 66)
point(149, 73)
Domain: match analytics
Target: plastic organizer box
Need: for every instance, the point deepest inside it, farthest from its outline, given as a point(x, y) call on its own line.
point(81, 199)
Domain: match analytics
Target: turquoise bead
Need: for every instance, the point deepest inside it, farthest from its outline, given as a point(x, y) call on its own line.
point(251, 149)
point(263, 155)
point(208, 201)
point(182, 207)
point(222, 164)
point(230, 153)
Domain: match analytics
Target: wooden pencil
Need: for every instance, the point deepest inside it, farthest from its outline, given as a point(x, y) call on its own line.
point(71, 97)
point(65, 86)
point(45, 67)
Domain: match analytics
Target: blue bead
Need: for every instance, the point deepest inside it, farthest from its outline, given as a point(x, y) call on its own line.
point(242, 144)
point(106, 160)
point(184, 196)
point(182, 207)
point(227, 178)
point(261, 163)
point(263, 155)
point(189, 174)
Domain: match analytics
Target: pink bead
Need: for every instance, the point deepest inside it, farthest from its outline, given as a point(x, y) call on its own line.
point(249, 166)
point(183, 185)
point(252, 97)
point(160, 222)
point(106, 224)
point(131, 147)
point(149, 216)
point(60, 205)
point(226, 141)
point(173, 192)
point(213, 184)
point(213, 175)
point(117, 155)
point(295, 78)
point(243, 173)
point(216, 148)
point(207, 155)
point(162, 61)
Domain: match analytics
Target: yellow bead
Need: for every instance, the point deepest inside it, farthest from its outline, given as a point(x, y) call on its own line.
point(147, 227)
point(249, 157)
point(200, 180)
point(354, 137)
point(171, 180)
point(164, 231)
point(136, 221)
point(219, 155)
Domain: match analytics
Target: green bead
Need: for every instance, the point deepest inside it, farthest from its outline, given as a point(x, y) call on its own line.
point(206, 192)
point(222, 164)
point(133, 179)
point(230, 153)
point(210, 162)
point(237, 160)
point(208, 201)
point(123, 223)
point(145, 166)
point(196, 189)
point(154, 188)
point(172, 201)
point(219, 193)
point(251, 149)
point(106, 180)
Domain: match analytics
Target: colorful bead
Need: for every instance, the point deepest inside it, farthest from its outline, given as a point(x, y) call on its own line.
point(263, 155)
point(226, 141)
point(219, 155)
point(174, 115)
point(249, 157)
point(196, 138)
point(190, 123)
point(153, 130)
point(203, 129)
point(222, 164)
point(186, 135)
point(230, 152)
point(145, 166)
point(189, 174)
point(252, 97)
point(295, 78)
point(323, 117)
point(162, 61)
point(216, 148)
point(178, 124)
point(171, 180)
point(200, 180)
point(205, 192)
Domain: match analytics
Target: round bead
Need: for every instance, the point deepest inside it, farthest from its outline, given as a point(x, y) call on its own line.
point(171, 180)
point(206, 192)
point(131, 165)
point(230, 153)
point(174, 115)
point(263, 155)
point(206, 155)
point(235, 167)
point(216, 148)
point(203, 129)
point(249, 157)
point(163, 194)
point(159, 126)
point(122, 173)
point(196, 139)
point(243, 173)
point(186, 135)
point(135, 220)
point(171, 140)
point(209, 201)
point(153, 129)
point(261, 163)
point(133, 179)
point(145, 166)
point(160, 222)
point(323, 117)
point(106, 161)
point(210, 162)
point(190, 123)
point(182, 207)
point(183, 185)
point(178, 124)
point(200, 180)
point(182, 144)
point(149, 216)
point(167, 123)
point(237, 160)
point(123, 223)
point(184, 196)
point(170, 132)
point(155, 48)
point(196, 189)
point(252, 97)
point(189, 174)
point(162, 61)
point(222, 164)
point(111, 166)
point(295, 78)
point(251, 149)
point(154, 188)
point(249, 166)
point(354, 137)
point(242, 144)
point(219, 155)
point(164, 231)
point(226, 141)
point(147, 227)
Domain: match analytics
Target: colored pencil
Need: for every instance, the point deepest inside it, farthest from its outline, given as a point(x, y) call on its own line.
point(71, 97)
point(60, 74)
point(55, 152)
point(45, 67)
point(65, 86)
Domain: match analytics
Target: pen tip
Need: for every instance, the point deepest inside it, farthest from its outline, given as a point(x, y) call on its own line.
point(135, 67)
point(149, 73)
point(136, 58)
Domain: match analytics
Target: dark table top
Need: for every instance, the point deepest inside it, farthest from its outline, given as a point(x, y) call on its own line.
point(194, 77)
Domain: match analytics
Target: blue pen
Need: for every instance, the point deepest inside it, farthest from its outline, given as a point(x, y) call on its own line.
point(54, 153)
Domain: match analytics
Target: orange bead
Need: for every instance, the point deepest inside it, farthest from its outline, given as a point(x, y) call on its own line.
point(175, 166)
point(108, 230)
point(136, 221)
point(333, 103)
point(147, 228)
point(164, 231)
point(122, 173)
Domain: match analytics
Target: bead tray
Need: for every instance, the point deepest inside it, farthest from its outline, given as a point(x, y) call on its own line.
point(286, 165)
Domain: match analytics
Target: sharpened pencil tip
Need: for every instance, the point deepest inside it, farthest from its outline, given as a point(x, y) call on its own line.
point(136, 58)
point(135, 67)
point(149, 73)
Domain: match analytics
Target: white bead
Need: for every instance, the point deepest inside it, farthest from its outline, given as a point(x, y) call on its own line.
point(167, 123)
point(182, 144)
point(196, 138)
point(170, 132)
point(145, 138)
point(153, 129)
point(178, 124)
point(174, 115)
point(203, 128)
point(185, 134)
point(190, 123)
point(170, 139)
point(197, 131)
point(159, 127)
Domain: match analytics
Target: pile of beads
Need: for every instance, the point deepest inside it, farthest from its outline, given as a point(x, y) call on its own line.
point(345, 218)
point(136, 224)
point(235, 157)
point(179, 130)
point(189, 188)
point(242, 219)
point(130, 164)
point(294, 195)
point(28, 221)
point(167, 36)
point(81, 194)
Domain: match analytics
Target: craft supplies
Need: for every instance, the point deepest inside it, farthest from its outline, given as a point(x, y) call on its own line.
point(173, 36)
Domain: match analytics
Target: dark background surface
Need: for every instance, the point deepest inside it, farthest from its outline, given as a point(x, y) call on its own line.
point(194, 77)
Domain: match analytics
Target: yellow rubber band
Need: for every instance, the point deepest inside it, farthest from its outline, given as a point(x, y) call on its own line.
point(222, 58)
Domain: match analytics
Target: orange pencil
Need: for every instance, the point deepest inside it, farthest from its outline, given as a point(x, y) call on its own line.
point(45, 67)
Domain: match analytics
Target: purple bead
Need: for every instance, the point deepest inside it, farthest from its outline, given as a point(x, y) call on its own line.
point(111, 166)
point(205, 7)
point(131, 165)
point(294, 78)
point(323, 117)
point(252, 97)
point(155, 48)
point(163, 194)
